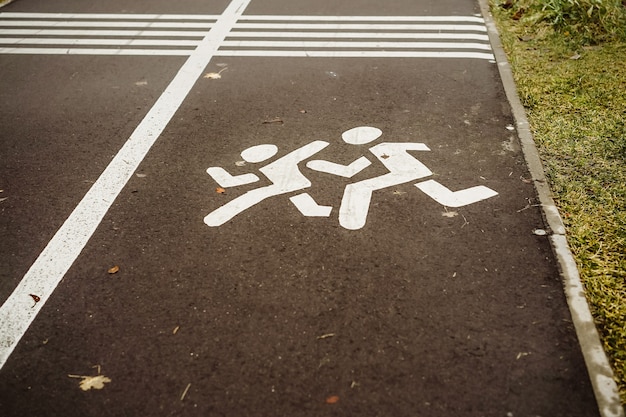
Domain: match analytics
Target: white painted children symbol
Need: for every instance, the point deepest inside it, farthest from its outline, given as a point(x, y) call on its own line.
point(286, 178)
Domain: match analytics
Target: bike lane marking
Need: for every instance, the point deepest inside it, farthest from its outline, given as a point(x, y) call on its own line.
point(18, 312)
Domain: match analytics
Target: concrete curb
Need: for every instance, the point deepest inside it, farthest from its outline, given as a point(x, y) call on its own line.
point(600, 372)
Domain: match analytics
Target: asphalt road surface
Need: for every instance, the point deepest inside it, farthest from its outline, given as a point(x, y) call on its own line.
point(314, 208)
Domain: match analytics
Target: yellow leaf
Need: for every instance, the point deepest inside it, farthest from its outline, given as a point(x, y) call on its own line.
point(95, 382)
point(114, 269)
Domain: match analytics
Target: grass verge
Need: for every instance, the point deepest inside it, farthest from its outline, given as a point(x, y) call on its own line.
point(575, 98)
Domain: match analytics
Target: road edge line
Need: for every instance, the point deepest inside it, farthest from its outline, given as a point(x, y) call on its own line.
point(42, 278)
point(598, 367)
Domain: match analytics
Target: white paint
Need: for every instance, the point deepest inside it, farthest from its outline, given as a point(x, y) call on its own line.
point(354, 54)
point(103, 32)
point(249, 53)
point(95, 24)
point(328, 36)
point(285, 177)
point(449, 198)
point(402, 167)
point(226, 180)
point(346, 171)
point(101, 42)
point(355, 45)
point(359, 26)
point(259, 153)
point(311, 18)
point(90, 51)
point(309, 207)
point(361, 135)
point(361, 35)
point(129, 16)
point(42, 278)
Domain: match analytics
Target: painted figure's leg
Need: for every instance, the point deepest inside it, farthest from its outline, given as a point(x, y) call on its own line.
point(355, 205)
point(229, 210)
point(309, 207)
point(449, 198)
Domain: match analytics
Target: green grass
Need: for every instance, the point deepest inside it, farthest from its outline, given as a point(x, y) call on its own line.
point(574, 90)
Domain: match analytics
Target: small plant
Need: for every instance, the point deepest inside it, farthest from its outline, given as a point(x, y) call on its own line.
point(590, 21)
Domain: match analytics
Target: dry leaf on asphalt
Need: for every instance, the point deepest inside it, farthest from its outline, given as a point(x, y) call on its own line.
point(113, 270)
point(220, 190)
point(215, 75)
point(450, 214)
point(95, 382)
point(333, 399)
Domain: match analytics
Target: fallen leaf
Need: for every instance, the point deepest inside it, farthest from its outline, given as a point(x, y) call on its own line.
point(140, 83)
point(575, 57)
point(303, 111)
point(326, 336)
point(450, 213)
point(95, 382)
point(220, 190)
point(113, 270)
point(240, 163)
point(518, 14)
point(5, 198)
point(398, 192)
point(333, 399)
point(175, 330)
point(384, 156)
point(215, 75)
point(141, 175)
point(35, 297)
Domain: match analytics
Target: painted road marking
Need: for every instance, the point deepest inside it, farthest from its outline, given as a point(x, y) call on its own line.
point(18, 312)
point(251, 36)
point(286, 177)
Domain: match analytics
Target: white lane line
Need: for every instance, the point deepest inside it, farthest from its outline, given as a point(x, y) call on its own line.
point(93, 24)
point(91, 51)
point(360, 35)
point(248, 53)
point(470, 19)
point(360, 26)
point(18, 312)
point(353, 54)
point(122, 33)
point(58, 16)
point(102, 42)
point(130, 16)
point(355, 45)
